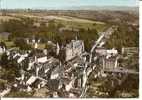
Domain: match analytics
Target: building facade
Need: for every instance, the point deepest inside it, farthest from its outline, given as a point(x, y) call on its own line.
point(75, 48)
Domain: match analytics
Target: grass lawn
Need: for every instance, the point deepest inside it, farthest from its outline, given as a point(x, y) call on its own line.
point(2, 38)
point(9, 44)
point(41, 46)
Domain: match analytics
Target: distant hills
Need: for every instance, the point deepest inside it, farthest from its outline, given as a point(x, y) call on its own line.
point(111, 8)
point(93, 8)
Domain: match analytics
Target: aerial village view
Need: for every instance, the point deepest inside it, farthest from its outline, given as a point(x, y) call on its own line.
point(69, 48)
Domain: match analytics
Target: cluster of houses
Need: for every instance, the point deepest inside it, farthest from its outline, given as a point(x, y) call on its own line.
point(42, 70)
point(62, 79)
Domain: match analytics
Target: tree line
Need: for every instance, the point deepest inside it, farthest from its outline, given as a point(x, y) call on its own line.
point(25, 27)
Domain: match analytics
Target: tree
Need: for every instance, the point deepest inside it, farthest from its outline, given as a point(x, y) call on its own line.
point(4, 59)
point(60, 25)
point(22, 44)
point(125, 36)
point(19, 94)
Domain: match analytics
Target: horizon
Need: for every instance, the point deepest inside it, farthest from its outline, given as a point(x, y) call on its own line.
point(64, 4)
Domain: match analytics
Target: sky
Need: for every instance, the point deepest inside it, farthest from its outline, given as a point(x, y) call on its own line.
point(60, 4)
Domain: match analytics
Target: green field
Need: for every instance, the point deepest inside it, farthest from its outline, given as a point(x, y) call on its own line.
point(99, 26)
point(9, 44)
point(2, 38)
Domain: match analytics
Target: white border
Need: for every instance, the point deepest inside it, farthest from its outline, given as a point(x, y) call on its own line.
point(140, 69)
point(140, 53)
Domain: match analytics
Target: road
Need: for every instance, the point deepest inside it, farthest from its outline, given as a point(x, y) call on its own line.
point(102, 39)
point(117, 70)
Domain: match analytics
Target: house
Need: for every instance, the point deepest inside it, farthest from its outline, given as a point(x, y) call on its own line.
point(73, 49)
point(55, 73)
point(104, 52)
point(110, 63)
point(130, 50)
point(42, 59)
point(53, 84)
point(4, 35)
point(101, 51)
point(2, 48)
point(34, 82)
point(112, 52)
point(31, 80)
point(32, 40)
